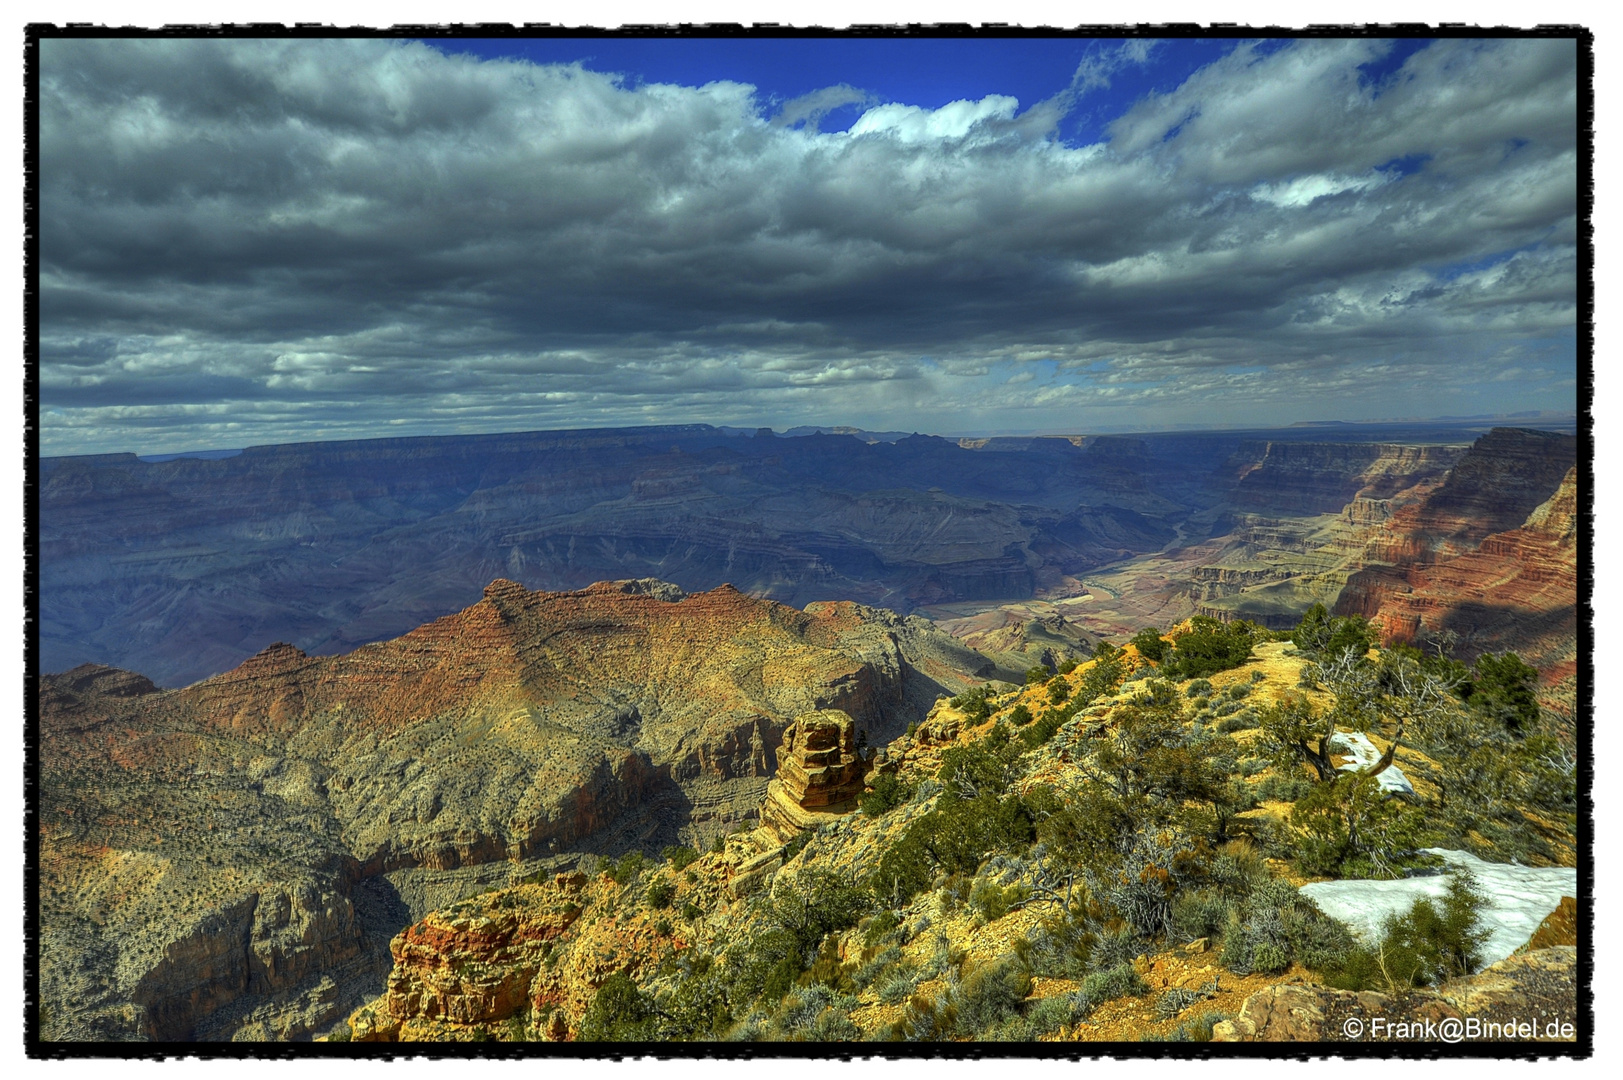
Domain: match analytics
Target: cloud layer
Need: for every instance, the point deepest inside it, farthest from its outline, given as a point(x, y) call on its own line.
point(264, 241)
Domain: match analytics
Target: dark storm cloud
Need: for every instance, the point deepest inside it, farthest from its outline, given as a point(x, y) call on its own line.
point(247, 241)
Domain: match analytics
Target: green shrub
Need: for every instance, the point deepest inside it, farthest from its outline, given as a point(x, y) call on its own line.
point(1320, 635)
point(797, 845)
point(1038, 674)
point(1043, 730)
point(1149, 644)
point(1203, 913)
point(897, 984)
point(1119, 981)
point(628, 869)
point(680, 858)
point(1059, 948)
point(880, 927)
point(660, 893)
point(1070, 664)
point(692, 911)
point(1430, 942)
point(1209, 646)
point(974, 703)
point(1283, 787)
point(1114, 947)
point(815, 1014)
point(1239, 691)
point(1244, 720)
point(1198, 688)
point(1052, 1013)
point(1058, 690)
point(1352, 828)
point(1238, 871)
point(888, 793)
point(872, 968)
point(1275, 925)
point(1020, 716)
point(992, 902)
point(988, 995)
point(1504, 692)
point(985, 766)
point(1356, 969)
point(619, 1012)
point(696, 1007)
point(1196, 1030)
point(1435, 940)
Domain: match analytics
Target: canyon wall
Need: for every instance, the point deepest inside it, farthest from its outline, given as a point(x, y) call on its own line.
point(1490, 556)
point(211, 857)
point(184, 568)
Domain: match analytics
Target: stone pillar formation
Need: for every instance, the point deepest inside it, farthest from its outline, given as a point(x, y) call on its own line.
point(819, 774)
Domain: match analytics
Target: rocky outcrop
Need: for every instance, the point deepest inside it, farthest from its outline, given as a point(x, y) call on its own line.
point(458, 968)
point(1532, 997)
point(820, 773)
point(1560, 927)
point(201, 848)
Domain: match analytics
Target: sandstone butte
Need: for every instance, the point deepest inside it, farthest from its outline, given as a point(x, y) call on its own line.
point(231, 859)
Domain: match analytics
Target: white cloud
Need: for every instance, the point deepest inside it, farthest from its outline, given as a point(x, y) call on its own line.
point(355, 232)
point(954, 120)
point(1303, 190)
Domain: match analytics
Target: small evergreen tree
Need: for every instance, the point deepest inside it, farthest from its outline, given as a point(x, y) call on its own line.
point(1149, 644)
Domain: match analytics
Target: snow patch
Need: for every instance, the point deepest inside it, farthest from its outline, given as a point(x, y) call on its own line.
point(1364, 755)
point(1519, 898)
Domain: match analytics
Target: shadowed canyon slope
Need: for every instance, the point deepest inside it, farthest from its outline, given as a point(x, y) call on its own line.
point(184, 568)
point(230, 859)
point(1479, 540)
point(181, 569)
point(1491, 556)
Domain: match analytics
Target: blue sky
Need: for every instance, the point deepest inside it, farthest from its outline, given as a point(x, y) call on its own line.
point(929, 72)
point(248, 241)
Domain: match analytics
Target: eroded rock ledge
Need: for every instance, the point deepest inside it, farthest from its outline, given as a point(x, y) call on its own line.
point(1537, 988)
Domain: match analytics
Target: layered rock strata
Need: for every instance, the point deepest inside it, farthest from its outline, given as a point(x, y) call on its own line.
point(228, 858)
point(1459, 562)
point(184, 568)
point(820, 774)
